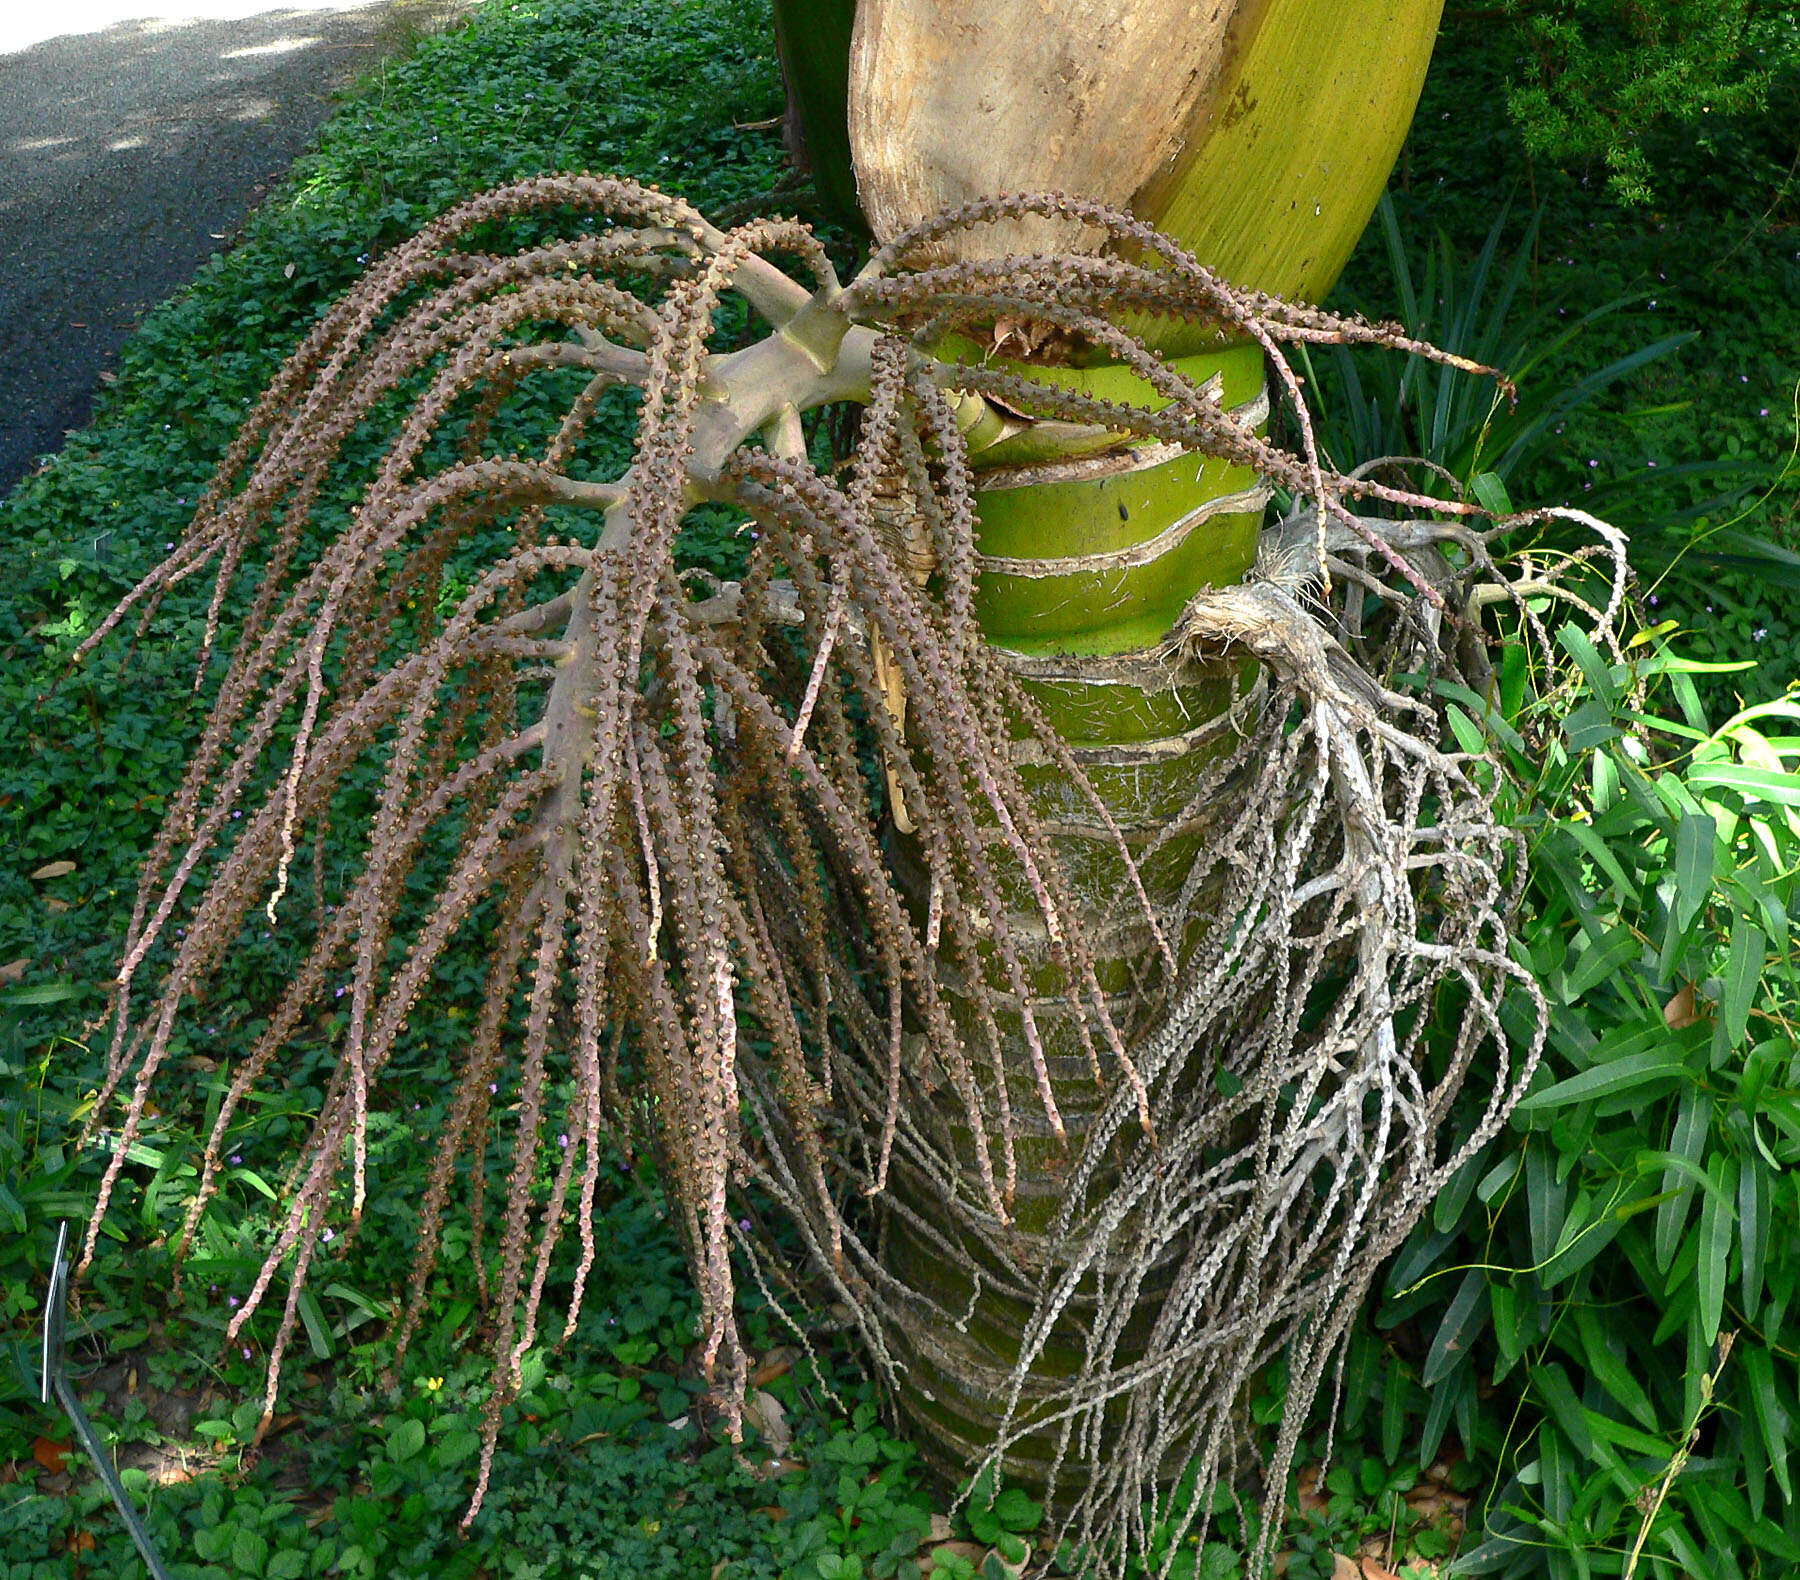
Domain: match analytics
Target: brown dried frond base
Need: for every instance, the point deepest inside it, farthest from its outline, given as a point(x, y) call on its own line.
point(658, 813)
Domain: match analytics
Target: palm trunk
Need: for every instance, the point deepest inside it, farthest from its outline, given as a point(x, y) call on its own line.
point(1266, 157)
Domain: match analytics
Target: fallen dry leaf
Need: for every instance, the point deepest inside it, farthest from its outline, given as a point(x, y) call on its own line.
point(51, 1454)
point(764, 1412)
point(1343, 1568)
point(776, 1363)
point(1681, 1011)
point(54, 869)
point(13, 971)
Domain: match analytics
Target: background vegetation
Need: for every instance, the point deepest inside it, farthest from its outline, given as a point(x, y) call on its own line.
point(1543, 1339)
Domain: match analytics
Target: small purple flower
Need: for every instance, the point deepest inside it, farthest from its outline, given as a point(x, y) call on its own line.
point(231, 1300)
point(328, 1236)
point(338, 994)
point(237, 1157)
point(493, 1086)
point(246, 1352)
point(561, 1141)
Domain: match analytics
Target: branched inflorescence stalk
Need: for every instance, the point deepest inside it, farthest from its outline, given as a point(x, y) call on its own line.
point(653, 818)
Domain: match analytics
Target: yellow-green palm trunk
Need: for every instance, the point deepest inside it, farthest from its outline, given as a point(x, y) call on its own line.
point(1086, 564)
point(1259, 135)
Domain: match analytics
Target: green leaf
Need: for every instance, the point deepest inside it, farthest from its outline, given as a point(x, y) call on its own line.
point(287, 1564)
point(1600, 853)
point(1016, 1511)
point(249, 1550)
point(1588, 726)
point(1393, 1410)
point(1447, 1210)
point(1553, 1387)
point(1546, 1203)
point(318, 1333)
point(1695, 838)
point(1753, 1230)
point(1716, 1233)
point(1492, 719)
point(1600, 961)
point(1462, 1324)
point(1608, 1368)
point(1743, 975)
point(1504, 1300)
point(1773, 1422)
point(43, 993)
point(1444, 1400)
point(1638, 1070)
point(406, 1440)
point(1594, 669)
point(1693, 1123)
point(1491, 493)
point(213, 1543)
point(1783, 789)
point(1467, 732)
point(1013, 1548)
point(454, 1447)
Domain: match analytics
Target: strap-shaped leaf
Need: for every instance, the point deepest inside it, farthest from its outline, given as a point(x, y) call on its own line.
point(1462, 1324)
point(1717, 1231)
point(1743, 975)
point(1695, 839)
point(1638, 1070)
point(1769, 1410)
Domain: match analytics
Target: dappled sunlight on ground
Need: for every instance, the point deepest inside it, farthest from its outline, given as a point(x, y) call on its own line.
point(24, 26)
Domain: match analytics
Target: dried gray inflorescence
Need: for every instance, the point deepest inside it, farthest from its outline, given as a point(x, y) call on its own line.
point(658, 810)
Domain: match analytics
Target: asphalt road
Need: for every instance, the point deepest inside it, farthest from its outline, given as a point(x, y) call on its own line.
point(135, 136)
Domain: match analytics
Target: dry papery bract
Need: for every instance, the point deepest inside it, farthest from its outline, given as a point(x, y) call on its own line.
point(650, 809)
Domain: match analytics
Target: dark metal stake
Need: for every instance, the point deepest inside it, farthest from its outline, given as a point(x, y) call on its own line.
point(55, 1379)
